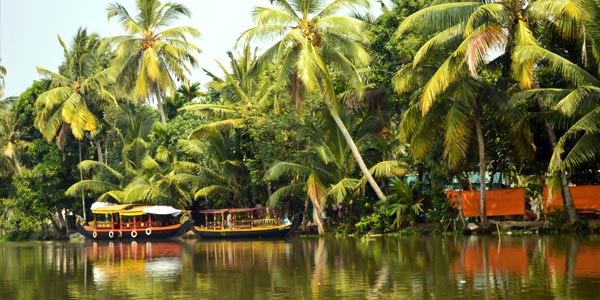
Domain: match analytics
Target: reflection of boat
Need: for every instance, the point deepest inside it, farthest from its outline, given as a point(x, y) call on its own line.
point(240, 255)
point(134, 222)
point(243, 223)
point(138, 261)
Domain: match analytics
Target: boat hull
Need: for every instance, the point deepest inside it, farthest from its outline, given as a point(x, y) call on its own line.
point(253, 233)
point(140, 234)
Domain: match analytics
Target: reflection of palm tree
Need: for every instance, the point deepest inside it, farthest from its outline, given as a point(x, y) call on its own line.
point(151, 57)
point(315, 44)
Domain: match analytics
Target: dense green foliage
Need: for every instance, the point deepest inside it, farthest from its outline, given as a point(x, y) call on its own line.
point(359, 123)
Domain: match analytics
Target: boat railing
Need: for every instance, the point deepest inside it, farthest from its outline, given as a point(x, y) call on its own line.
point(242, 224)
point(101, 224)
point(214, 225)
point(126, 225)
point(265, 222)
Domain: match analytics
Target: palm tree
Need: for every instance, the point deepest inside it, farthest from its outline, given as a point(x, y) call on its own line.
point(576, 22)
point(131, 126)
point(479, 34)
point(184, 95)
point(76, 91)
point(328, 177)
point(2, 74)
point(151, 57)
point(11, 143)
point(315, 42)
point(220, 174)
point(138, 177)
point(242, 95)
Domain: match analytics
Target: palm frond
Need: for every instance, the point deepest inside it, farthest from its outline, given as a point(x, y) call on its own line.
point(88, 165)
point(218, 126)
point(93, 186)
point(438, 17)
point(339, 191)
point(210, 190)
point(286, 192)
point(483, 44)
point(573, 102)
point(281, 169)
point(442, 39)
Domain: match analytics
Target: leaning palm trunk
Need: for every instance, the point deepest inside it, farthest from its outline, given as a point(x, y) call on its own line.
point(357, 156)
point(161, 110)
point(565, 192)
point(316, 216)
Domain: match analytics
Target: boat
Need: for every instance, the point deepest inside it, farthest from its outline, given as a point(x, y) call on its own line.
point(249, 223)
point(115, 222)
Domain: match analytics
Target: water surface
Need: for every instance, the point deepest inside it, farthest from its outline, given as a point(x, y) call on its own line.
point(515, 268)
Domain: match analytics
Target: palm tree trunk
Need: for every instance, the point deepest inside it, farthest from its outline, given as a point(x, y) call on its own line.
point(17, 164)
point(357, 156)
point(99, 150)
point(482, 168)
point(161, 109)
point(567, 198)
point(81, 178)
point(461, 213)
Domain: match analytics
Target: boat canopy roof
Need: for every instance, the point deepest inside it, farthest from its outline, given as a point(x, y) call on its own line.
point(97, 205)
point(111, 209)
point(133, 209)
point(162, 210)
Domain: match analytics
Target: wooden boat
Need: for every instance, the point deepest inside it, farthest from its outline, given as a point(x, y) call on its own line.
point(134, 222)
point(243, 223)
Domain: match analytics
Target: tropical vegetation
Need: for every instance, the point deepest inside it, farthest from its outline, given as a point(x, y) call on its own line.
point(358, 121)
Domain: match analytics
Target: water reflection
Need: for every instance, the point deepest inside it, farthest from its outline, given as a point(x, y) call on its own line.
point(385, 268)
point(145, 261)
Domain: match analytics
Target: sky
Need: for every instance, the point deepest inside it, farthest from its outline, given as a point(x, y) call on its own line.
point(29, 30)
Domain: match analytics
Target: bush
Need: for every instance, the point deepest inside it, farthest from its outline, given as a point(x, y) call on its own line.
point(442, 212)
point(344, 229)
point(373, 223)
point(557, 222)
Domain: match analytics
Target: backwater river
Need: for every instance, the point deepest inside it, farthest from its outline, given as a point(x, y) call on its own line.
point(457, 267)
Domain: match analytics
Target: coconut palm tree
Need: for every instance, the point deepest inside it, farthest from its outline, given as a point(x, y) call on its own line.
point(11, 143)
point(220, 176)
point(2, 74)
point(575, 21)
point(329, 176)
point(76, 92)
point(316, 42)
point(131, 126)
point(473, 35)
point(151, 57)
point(139, 177)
